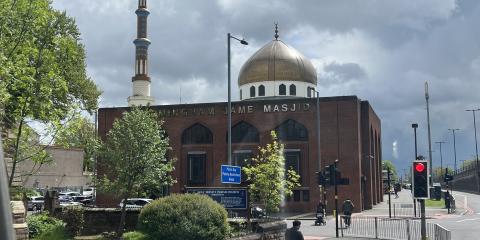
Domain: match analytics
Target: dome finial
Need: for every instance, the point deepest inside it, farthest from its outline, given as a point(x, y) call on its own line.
point(276, 31)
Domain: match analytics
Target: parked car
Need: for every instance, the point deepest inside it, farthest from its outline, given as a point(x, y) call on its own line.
point(88, 191)
point(71, 194)
point(66, 204)
point(135, 203)
point(35, 203)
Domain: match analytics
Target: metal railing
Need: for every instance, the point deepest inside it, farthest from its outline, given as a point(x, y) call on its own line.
point(405, 210)
point(391, 228)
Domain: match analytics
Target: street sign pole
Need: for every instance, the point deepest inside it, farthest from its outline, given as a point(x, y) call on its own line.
point(389, 195)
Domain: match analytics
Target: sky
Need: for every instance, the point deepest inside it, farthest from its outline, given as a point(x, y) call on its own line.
point(382, 51)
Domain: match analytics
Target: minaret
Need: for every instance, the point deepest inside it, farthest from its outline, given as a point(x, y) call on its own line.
point(141, 80)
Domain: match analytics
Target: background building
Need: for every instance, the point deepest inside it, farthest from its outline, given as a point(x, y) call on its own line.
point(277, 87)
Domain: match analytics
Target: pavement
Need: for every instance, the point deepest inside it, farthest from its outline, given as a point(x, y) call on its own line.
point(437, 215)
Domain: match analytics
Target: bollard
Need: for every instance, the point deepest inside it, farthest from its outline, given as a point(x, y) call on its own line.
point(376, 227)
point(408, 229)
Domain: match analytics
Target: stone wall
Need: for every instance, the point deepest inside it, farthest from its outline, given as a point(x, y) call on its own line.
point(19, 220)
point(267, 231)
point(466, 181)
point(98, 220)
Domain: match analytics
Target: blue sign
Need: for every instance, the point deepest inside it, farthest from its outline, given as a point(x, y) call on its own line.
point(231, 174)
point(230, 198)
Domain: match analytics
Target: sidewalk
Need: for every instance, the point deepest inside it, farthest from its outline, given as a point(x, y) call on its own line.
point(310, 231)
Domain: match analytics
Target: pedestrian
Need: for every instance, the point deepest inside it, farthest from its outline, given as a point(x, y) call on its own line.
point(294, 233)
point(347, 209)
point(396, 189)
point(320, 207)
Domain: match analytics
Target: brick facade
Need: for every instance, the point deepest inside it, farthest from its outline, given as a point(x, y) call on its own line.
point(349, 129)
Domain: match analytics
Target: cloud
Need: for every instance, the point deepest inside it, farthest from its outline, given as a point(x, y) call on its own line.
point(381, 51)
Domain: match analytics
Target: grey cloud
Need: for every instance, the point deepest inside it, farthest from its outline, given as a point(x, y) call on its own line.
point(388, 50)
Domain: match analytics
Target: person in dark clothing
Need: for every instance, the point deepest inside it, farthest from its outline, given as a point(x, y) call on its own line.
point(294, 233)
point(347, 209)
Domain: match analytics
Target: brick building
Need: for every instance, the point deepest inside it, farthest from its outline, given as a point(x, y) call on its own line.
point(277, 87)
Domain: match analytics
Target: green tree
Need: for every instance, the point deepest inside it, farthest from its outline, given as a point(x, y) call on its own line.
point(387, 164)
point(439, 173)
point(79, 132)
point(135, 153)
point(268, 180)
point(42, 68)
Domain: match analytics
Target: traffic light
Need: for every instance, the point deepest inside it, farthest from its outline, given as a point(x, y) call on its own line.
point(320, 178)
point(420, 179)
point(327, 176)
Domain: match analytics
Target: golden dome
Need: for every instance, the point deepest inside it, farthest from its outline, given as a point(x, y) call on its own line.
point(276, 61)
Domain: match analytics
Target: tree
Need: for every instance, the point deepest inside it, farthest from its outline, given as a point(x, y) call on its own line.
point(439, 173)
point(387, 164)
point(79, 132)
point(268, 180)
point(135, 152)
point(42, 68)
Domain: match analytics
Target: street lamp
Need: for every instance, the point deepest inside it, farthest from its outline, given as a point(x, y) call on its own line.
point(242, 41)
point(319, 153)
point(454, 147)
point(441, 158)
point(475, 129)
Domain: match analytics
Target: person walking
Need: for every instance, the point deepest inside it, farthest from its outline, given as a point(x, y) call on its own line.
point(294, 233)
point(347, 209)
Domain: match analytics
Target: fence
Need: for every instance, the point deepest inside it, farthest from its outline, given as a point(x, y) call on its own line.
point(405, 210)
point(391, 228)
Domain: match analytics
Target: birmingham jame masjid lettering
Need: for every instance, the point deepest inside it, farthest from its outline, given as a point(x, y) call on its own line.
point(236, 109)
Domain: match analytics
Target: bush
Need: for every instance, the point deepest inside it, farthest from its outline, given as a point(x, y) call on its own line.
point(18, 193)
point(134, 236)
point(42, 226)
point(184, 216)
point(73, 218)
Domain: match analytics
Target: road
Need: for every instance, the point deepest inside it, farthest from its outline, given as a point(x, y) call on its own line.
point(465, 223)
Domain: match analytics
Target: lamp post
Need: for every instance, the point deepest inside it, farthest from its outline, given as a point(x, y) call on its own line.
point(441, 158)
point(475, 131)
point(414, 126)
point(454, 147)
point(319, 153)
point(242, 41)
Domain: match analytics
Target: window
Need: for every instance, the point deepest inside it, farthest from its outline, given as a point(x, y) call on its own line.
point(296, 195)
point(291, 130)
point(243, 132)
point(282, 89)
point(309, 92)
point(306, 195)
point(293, 90)
point(261, 90)
point(197, 134)
point(252, 91)
point(196, 168)
point(241, 158)
point(292, 161)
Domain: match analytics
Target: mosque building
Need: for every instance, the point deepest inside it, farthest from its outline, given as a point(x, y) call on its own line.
point(277, 87)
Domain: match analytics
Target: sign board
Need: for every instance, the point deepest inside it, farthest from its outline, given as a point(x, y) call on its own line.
point(230, 198)
point(231, 174)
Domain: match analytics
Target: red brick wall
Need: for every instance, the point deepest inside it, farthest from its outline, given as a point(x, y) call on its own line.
point(342, 137)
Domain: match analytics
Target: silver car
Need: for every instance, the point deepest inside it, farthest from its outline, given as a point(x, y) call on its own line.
point(35, 203)
point(135, 203)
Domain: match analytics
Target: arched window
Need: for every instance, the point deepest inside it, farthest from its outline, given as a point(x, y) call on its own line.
point(240, 94)
point(244, 132)
point(292, 130)
point(282, 89)
point(309, 92)
point(197, 134)
point(261, 90)
point(293, 90)
point(252, 91)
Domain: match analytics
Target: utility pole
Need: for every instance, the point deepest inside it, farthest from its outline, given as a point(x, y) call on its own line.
point(336, 196)
point(389, 194)
point(454, 148)
point(476, 146)
point(430, 180)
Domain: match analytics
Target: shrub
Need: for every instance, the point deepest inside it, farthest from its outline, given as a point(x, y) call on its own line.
point(42, 226)
point(73, 218)
point(134, 236)
point(184, 216)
